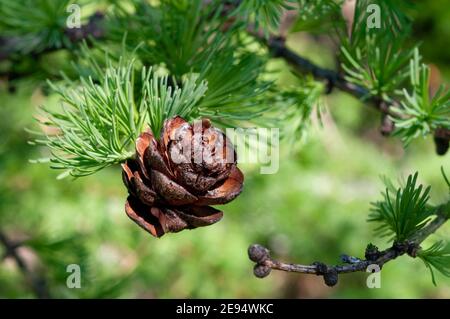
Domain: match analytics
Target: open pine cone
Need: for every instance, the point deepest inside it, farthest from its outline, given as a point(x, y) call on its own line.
point(172, 182)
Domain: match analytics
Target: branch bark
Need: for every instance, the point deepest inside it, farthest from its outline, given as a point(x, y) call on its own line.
point(264, 263)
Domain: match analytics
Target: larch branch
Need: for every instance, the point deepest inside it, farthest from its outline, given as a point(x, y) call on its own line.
point(264, 263)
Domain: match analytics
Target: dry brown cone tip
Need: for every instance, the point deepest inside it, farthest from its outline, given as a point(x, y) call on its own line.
point(173, 180)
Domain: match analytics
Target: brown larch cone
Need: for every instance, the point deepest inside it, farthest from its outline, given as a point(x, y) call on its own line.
point(172, 182)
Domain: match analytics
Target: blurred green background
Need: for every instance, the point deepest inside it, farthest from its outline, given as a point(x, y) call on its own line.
point(314, 208)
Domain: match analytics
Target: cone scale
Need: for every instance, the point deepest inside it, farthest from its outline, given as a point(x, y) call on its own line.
point(173, 180)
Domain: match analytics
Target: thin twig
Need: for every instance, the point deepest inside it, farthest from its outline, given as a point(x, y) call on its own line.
point(301, 65)
point(264, 263)
point(38, 284)
point(92, 29)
